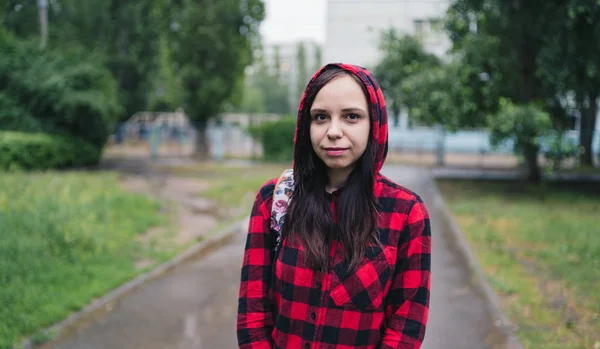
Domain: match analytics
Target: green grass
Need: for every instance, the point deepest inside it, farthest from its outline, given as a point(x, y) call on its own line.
point(236, 191)
point(66, 238)
point(232, 187)
point(540, 249)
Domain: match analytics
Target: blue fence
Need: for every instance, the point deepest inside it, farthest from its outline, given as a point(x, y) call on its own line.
point(425, 139)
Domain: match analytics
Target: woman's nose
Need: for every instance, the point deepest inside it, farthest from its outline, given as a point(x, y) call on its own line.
point(334, 131)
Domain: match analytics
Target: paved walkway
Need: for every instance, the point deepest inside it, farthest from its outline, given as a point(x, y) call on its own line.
point(195, 306)
point(458, 312)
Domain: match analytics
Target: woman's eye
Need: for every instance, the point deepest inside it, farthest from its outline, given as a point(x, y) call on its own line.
point(320, 117)
point(353, 116)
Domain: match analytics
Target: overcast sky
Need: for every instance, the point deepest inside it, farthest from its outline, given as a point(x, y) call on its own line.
point(291, 20)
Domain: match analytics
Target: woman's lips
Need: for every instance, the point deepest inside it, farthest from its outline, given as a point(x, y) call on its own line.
point(335, 151)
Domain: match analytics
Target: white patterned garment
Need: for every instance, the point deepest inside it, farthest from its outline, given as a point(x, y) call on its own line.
point(281, 198)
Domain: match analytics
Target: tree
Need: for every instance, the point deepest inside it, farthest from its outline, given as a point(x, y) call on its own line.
point(302, 69)
point(62, 91)
point(212, 46)
point(569, 63)
point(164, 94)
point(271, 85)
point(277, 62)
point(318, 58)
point(126, 33)
point(402, 57)
point(444, 96)
point(253, 100)
point(513, 35)
point(524, 124)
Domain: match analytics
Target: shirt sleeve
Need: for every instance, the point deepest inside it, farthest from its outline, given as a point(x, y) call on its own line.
point(407, 304)
point(254, 319)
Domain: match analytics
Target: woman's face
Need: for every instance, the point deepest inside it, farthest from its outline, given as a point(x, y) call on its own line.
point(340, 125)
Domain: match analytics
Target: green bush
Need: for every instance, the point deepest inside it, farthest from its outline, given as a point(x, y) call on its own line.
point(557, 148)
point(13, 117)
point(67, 91)
point(276, 137)
point(41, 151)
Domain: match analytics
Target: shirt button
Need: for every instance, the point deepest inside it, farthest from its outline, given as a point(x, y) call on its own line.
point(307, 346)
point(313, 316)
point(319, 285)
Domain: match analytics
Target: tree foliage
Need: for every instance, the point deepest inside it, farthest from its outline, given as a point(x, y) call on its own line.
point(58, 91)
point(569, 63)
point(124, 33)
point(517, 68)
point(402, 57)
point(269, 82)
point(448, 95)
point(303, 74)
point(212, 45)
point(163, 54)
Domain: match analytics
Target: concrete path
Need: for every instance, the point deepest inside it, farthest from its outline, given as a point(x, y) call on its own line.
point(459, 318)
point(195, 306)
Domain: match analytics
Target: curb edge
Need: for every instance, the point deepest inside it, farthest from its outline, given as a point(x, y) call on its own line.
point(501, 321)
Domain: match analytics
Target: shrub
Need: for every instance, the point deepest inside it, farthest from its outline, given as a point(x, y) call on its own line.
point(13, 117)
point(68, 91)
point(276, 137)
point(42, 151)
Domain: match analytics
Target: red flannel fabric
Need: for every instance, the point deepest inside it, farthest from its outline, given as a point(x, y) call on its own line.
point(383, 304)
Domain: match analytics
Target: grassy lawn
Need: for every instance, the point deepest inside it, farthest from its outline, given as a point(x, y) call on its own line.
point(66, 238)
point(540, 249)
point(232, 187)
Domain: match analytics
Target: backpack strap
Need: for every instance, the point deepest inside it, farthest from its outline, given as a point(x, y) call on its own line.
point(281, 199)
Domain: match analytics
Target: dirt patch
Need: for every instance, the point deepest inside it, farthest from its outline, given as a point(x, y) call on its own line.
point(137, 184)
point(152, 234)
point(185, 186)
point(193, 227)
point(144, 263)
point(193, 216)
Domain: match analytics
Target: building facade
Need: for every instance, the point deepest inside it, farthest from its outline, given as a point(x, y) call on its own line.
point(353, 27)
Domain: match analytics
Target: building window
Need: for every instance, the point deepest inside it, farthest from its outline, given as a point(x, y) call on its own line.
point(419, 27)
point(436, 25)
point(436, 30)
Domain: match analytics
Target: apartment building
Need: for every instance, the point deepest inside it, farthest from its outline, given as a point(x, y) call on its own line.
point(353, 27)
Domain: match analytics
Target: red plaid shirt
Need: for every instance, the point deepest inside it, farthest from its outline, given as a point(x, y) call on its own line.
point(383, 304)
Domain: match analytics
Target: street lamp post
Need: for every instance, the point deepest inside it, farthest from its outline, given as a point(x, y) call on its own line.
point(43, 13)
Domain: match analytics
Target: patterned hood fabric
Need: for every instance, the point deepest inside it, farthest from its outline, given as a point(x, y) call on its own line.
point(379, 129)
point(383, 304)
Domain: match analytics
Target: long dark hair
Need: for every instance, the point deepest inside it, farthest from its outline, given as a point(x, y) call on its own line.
point(309, 215)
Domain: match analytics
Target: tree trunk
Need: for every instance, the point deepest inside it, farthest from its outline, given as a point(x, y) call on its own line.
point(202, 145)
point(534, 174)
point(586, 134)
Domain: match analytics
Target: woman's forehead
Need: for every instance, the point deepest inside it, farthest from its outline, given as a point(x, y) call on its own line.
point(343, 92)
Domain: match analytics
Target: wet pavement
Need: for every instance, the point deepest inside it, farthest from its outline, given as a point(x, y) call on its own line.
point(194, 307)
point(458, 317)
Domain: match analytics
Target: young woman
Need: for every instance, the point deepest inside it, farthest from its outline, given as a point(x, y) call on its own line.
point(353, 268)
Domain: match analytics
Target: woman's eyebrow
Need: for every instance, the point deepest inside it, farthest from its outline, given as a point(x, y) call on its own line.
point(345, 110)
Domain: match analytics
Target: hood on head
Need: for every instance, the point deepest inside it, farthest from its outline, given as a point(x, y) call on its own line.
point(378, 111)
